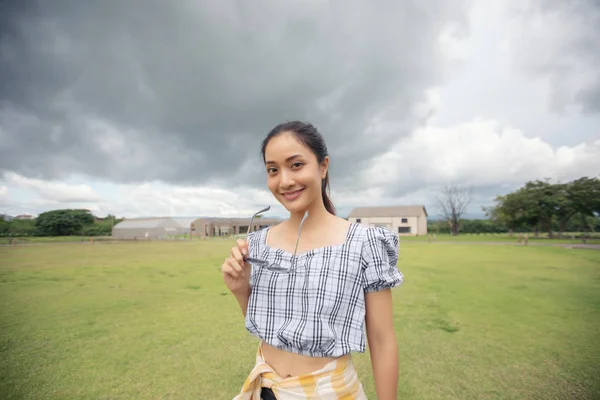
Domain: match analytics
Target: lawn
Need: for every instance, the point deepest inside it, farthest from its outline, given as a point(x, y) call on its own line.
point(503, 238)
point(152, 320)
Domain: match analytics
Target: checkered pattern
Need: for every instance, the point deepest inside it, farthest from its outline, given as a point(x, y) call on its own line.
point(319, 308)
point(336, 380)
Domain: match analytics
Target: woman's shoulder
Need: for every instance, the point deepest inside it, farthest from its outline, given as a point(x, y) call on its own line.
point(375, 240)
point(369, 233)
point(257, 234)
point(255, 238)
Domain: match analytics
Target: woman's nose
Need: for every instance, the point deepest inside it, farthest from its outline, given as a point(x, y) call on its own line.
point(287, 179)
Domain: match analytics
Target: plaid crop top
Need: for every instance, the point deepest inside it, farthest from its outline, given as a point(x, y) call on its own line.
point(318, 309)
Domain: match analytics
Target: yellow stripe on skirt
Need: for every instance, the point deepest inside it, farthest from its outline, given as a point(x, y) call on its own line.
point(336, 380)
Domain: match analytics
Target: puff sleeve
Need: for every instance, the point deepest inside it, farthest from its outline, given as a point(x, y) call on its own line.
point(379, 260)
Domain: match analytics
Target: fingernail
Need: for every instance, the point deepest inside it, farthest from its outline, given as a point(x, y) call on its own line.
point(244, 252)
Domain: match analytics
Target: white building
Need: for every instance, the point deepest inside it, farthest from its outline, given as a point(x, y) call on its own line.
point(146, 228)
point(185, 224)
point(403, 220)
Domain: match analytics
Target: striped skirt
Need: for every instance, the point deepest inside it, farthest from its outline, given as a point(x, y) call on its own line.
point(336, 380)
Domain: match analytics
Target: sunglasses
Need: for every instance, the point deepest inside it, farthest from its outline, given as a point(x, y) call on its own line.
point(266, 264)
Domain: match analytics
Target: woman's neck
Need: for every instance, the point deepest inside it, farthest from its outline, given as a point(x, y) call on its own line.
point(317, 214)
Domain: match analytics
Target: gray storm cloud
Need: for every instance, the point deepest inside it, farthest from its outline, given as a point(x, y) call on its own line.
point(185, 91)
point(560, 40)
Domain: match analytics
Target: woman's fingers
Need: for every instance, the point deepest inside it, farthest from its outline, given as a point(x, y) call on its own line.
point(242, 246)
point(236, 254)
point(236, 268)
point(234, 265)
point(226, 269)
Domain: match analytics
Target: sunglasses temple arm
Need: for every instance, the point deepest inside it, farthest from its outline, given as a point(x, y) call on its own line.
point(250, 226)
point(255, 261)
point(267, 208)
point(254, 216)
point(298, 238)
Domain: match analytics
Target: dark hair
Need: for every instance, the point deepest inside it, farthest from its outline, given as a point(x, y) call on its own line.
point(308, 135)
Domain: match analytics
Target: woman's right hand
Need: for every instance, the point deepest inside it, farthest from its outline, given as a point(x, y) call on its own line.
point(236, 272)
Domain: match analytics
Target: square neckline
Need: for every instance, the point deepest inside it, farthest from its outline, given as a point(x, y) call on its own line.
point(310, 251)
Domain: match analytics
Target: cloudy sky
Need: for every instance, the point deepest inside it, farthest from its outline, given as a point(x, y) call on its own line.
point(149, 107)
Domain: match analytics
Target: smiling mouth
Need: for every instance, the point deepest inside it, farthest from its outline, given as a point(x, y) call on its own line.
point(292, 195)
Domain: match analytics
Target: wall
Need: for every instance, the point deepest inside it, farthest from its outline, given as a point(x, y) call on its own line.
point(165, 228)
point(418, 226)
point(423, 225)
point(224, 226)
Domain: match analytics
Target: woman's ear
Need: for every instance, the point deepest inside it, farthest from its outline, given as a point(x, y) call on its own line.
point(324, 167)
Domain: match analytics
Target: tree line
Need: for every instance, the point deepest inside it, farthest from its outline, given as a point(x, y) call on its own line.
point(542, 206)
point(539, 205)
point(488, 226)
point(67, 222)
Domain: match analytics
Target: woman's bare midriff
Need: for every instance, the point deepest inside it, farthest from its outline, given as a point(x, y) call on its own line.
point(286, 364)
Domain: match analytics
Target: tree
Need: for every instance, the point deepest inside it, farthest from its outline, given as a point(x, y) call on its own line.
point(544, 205)
point(564, 207)
point(533, 205)
point(541, 203)
point(506, 213)
point(584, 195)
point(452, 205)
point(63, 222)
point(103, 227)
point(4, 227)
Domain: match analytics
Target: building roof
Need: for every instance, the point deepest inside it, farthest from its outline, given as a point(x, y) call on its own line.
point(388, 211)
point(239, 221)
point(144, 223)
point(185, 222)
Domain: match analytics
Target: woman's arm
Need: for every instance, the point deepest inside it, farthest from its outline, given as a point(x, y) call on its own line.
point(236, 274)
point(242, 296)
point(382, 343)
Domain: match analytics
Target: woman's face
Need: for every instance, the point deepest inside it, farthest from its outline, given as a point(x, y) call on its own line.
point(294, 175)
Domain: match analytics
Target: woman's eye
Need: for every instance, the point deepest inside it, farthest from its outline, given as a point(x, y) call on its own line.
point(271, 170)
point(296, 165)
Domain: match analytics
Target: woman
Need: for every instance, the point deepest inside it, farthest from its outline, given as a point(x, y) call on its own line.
point(308, 286)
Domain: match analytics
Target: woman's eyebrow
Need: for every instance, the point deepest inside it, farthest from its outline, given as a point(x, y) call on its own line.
point(290, 158)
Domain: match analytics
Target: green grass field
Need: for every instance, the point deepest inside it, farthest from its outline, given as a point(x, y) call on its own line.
point(503, 238)
point(152, 320)
point(594, 238)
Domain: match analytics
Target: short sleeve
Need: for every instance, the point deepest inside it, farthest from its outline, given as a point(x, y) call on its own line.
point(379, 260)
